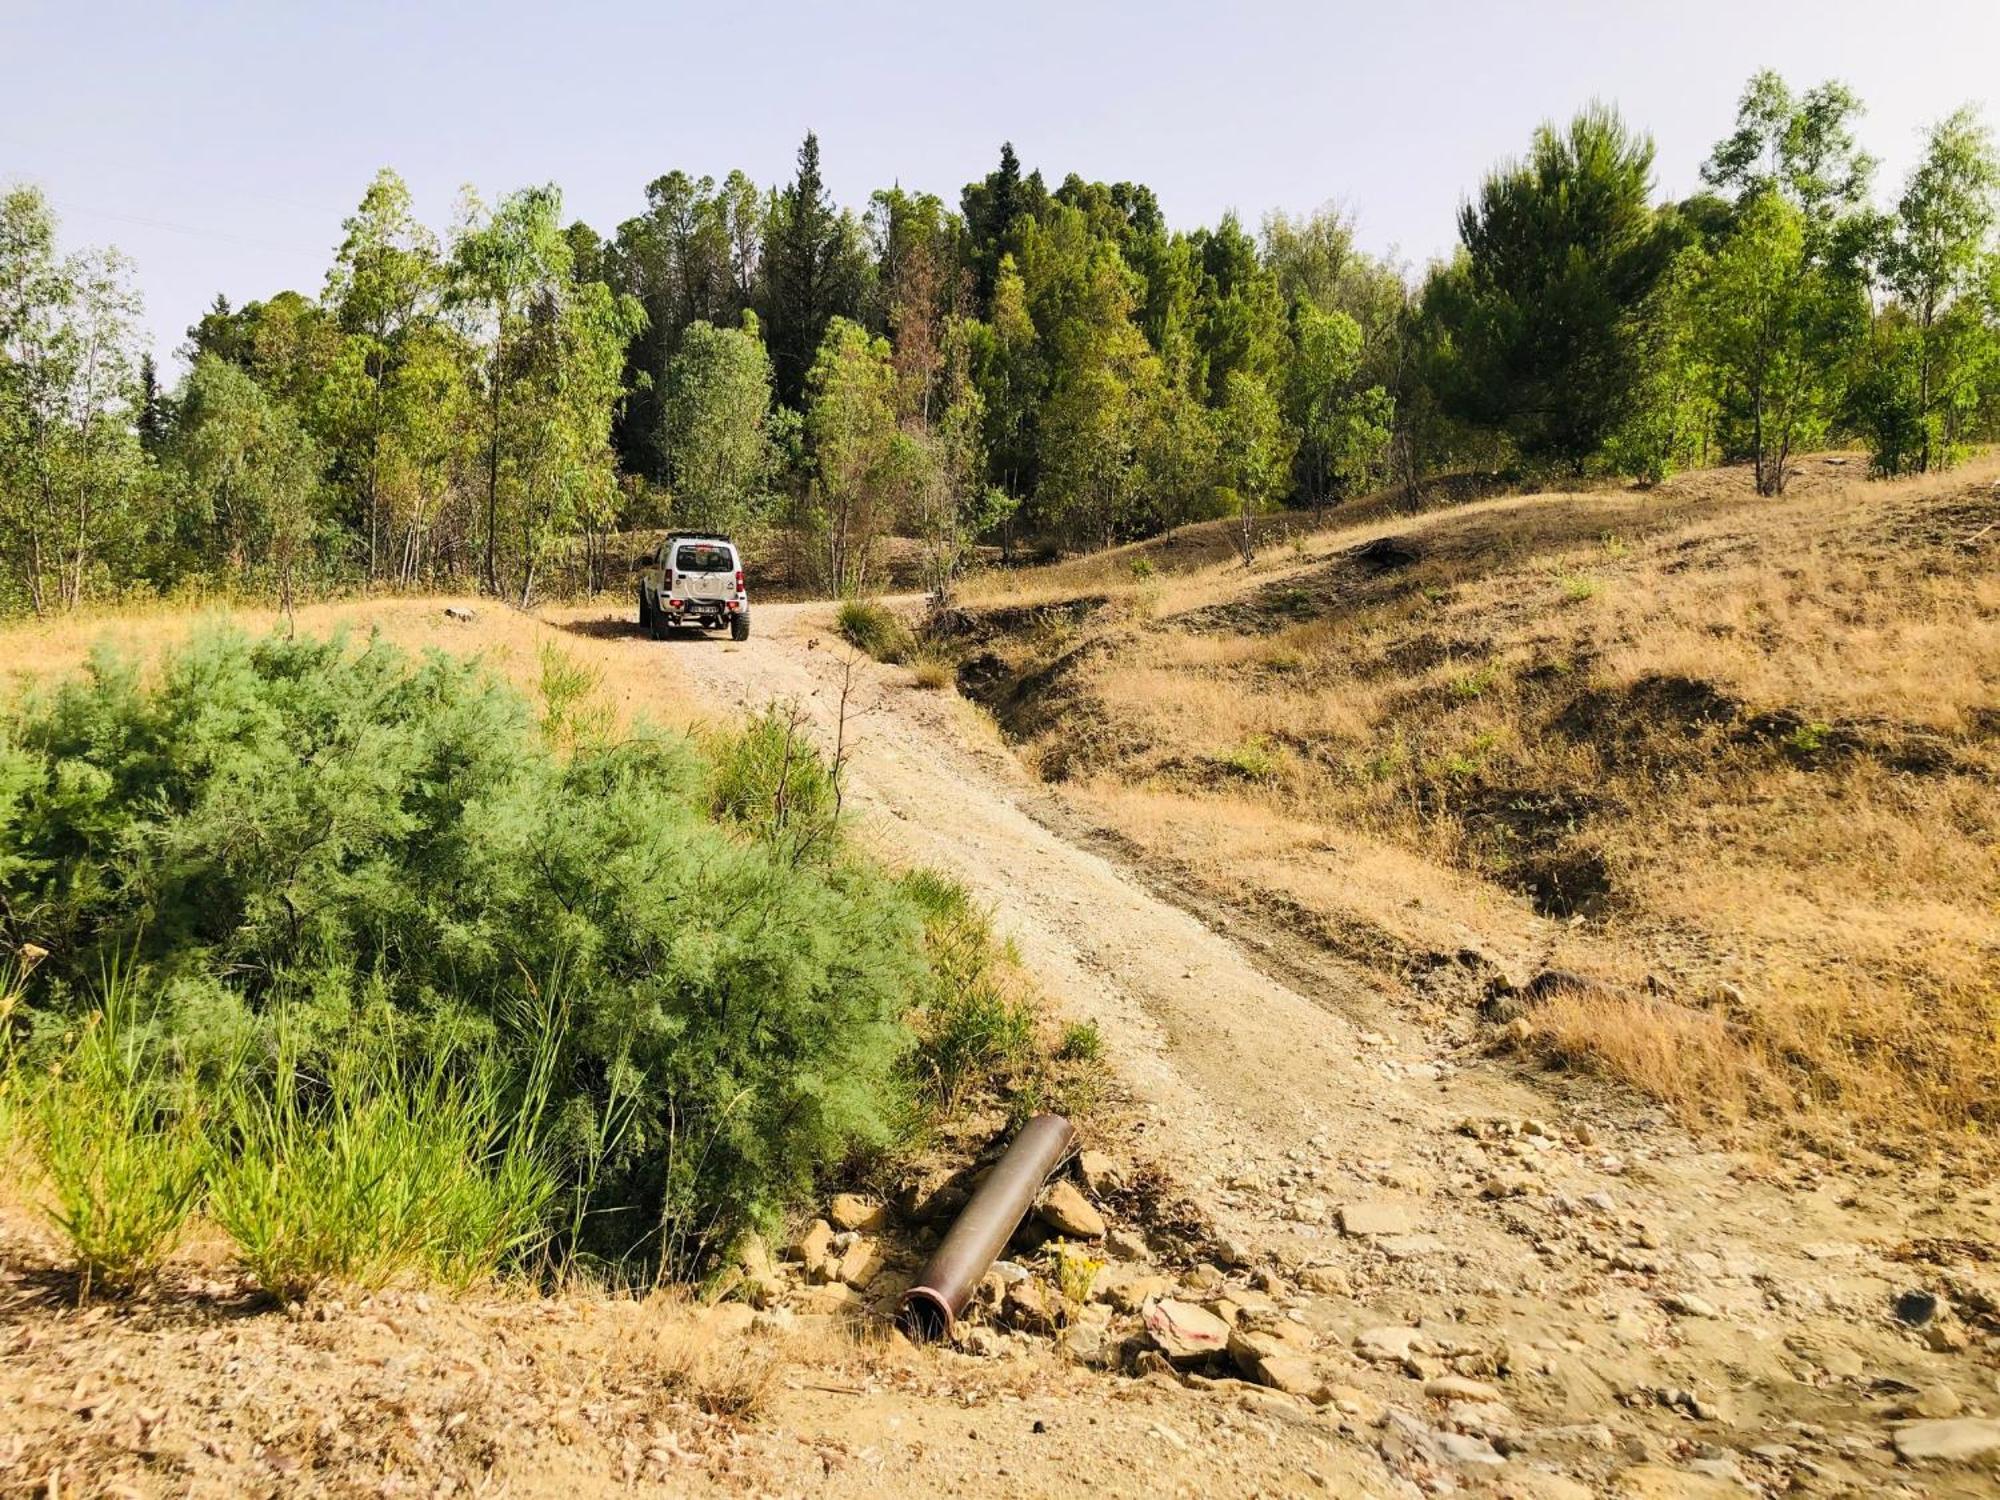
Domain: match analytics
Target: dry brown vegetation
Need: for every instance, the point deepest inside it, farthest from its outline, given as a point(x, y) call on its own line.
point(1738, 757)
point(511, 640)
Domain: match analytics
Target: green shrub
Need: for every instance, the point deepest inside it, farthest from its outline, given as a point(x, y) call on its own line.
point(1253, 760)
point(329, 834)
point(876, 629)
point(769, 780)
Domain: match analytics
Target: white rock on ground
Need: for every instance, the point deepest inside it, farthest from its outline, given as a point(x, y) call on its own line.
point(1957, 1439)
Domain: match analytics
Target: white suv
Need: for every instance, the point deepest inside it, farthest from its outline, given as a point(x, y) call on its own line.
point(694, 580)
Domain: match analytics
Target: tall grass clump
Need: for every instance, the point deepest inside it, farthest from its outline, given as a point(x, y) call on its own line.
point(980, 1033)
point(375, 1169)
point(301, 843)
point(876, 629)
point(119, 1139)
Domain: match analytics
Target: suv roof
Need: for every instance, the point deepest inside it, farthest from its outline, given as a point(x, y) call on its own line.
point(699, 536)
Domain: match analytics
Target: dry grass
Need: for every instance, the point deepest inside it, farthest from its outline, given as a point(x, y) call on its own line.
point(512, 641)
point(1747, 747)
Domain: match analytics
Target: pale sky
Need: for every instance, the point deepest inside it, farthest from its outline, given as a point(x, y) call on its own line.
point(221, 144)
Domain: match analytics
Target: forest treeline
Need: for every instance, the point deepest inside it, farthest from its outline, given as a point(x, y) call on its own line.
point(500, 404)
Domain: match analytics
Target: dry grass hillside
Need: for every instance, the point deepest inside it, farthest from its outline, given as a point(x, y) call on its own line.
point(1736, 758)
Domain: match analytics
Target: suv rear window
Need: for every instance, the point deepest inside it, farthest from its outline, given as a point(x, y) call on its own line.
point(703, 559)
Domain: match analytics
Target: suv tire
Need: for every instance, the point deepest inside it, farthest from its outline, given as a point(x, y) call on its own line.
point(739, 627)
point(645, 610)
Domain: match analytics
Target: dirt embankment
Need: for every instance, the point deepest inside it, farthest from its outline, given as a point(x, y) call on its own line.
point(1736, 757)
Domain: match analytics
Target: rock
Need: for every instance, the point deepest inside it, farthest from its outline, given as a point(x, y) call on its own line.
point(1389, 1345)
point(931, 1196)
point(1460, 1388)
point(1127, 1289)
point(1552, 982)
point(1125, 1244)
point(860, 1264)
point(1365, 1220)
point(1328, 1281)
point(1658, 1482)
point(814, 1251)
point(1026, 1307)
point(814, 1243)
point(1540, 1484)
point(1956, 1440)
point(459, 613)
point(1507, 1185)
point(1230, 1251)
point(1205, 1278)
point(1249, 1348)
point(1689, 1306)
point(1441, 1447)
point(761, 1285)
point(1099, 1173)
point(727, 1319)
point(1936, 1401)
point(1183, 1332)
point(852, 1211)
point(1294, 1375)
point(1945, 1338)
point(1092, 1344)
point(834, 1298)
point(1065, 1210)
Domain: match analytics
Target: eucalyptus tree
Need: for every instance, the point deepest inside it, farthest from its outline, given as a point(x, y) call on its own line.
point(72, 478)
point(1779, 303)
point(715, 427)
point(1938, 346)
point(858, 458)
point(553, 354)
point(383, 292)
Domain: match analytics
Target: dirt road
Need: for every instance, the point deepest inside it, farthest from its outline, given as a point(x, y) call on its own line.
point(1689, 1299)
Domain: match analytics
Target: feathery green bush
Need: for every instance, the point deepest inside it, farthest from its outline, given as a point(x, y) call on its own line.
point(335, 844)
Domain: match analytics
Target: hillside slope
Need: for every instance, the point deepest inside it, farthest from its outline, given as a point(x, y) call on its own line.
point(1736, 757)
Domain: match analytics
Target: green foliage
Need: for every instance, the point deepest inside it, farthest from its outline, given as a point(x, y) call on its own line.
point(875, 628)
point(859, 460)
point(1254, 759)
point(1561, 249)
point(1055, 367)
point(1344, 428)
point(74, 490)
point(975, 1025)
point(1937, 358)
point(719, 455)
point(315, 832)
point(120, 1141)
point(768, 780)
point(249, 476)
point(377, 1168)
point(1081, 1042)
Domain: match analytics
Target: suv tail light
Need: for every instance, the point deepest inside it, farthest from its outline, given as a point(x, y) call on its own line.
point(739, 580)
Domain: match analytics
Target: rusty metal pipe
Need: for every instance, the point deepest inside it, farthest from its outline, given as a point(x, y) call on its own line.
point(947, 1280)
